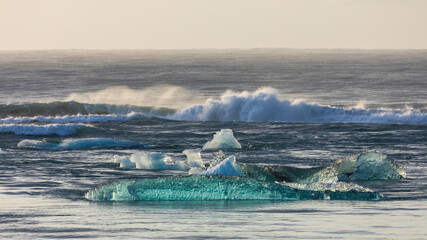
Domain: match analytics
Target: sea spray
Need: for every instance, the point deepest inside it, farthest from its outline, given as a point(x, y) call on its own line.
point(263, 105)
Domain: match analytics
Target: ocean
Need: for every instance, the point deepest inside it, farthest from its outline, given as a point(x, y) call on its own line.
point(92, 144)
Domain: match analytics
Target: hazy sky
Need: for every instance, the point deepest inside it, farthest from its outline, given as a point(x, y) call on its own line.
point(177, 24)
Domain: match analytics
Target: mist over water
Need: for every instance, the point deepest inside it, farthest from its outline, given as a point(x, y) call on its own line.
point(75, 121)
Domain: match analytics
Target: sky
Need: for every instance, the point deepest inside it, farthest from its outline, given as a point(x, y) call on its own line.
point(188, 24)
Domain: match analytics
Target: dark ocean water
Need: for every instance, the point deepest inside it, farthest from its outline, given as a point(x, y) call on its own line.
point(299, 108)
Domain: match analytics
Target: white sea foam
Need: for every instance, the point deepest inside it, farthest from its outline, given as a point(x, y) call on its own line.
point(33, 129)
point(223, 139)
point(73, 118)
point(72, 144)
point(264, 105)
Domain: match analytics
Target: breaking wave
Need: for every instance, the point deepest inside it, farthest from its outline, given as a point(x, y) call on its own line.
point(75, 108)
point(264, 105)
point(74, 144)
point(41, 130)
point(92, 118)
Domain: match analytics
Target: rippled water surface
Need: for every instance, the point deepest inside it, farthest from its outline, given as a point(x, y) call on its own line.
point(320, 106)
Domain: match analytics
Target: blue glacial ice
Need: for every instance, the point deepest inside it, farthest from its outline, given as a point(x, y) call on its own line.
point(223, 140)
point(194, 158)
point(74, 144)
point(151, 161)
point(216, 187)
point(228, 167)
point(369, 165)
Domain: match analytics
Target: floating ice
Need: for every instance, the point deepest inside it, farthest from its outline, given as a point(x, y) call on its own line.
point(223, 140)
point(194, 158)
point(124, 162)
point(48, 129)
point(152, 161)
point(264, 105)
point(339, 190)
point(73, 144)
point(228, 167)
point(2, 151)
point(196, 187)
point(195, 170)
point(370, 165)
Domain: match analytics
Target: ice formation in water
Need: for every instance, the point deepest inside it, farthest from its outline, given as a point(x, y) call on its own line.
point(194, 158)
point(2, 151)
point(216, 187)
point(228, 167)
point(223, 140)
point(73, 144)
point(153, 161)
point(368, 165)
point(228, 179)
point(34, 129)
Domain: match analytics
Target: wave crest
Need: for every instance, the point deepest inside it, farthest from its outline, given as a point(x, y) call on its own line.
point(264, 105)
point(36, 130)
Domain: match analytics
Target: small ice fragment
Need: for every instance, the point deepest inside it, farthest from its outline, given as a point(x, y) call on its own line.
point(195, 170)
point(228, 167)
point(223, 140)
point(124, 162)
point(194, 158)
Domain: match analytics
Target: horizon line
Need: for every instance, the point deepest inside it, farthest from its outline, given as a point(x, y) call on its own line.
point(209, 49)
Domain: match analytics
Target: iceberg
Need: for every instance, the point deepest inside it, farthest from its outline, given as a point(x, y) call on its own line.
point(196, 187)
point(223, 140)
point(369, 165)
point(75, 144)
point(151, 161)
point(339, 190)
point(194, 158)
point(2, 151)
point(228, 167)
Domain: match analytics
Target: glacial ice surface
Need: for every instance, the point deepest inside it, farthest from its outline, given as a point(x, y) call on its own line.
point(194, 158)
point(151, 160)
point(216, 187)
point(369, 165)
point(74, 144)
point(228, 167)
point(2, 151)
point(223, 139)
